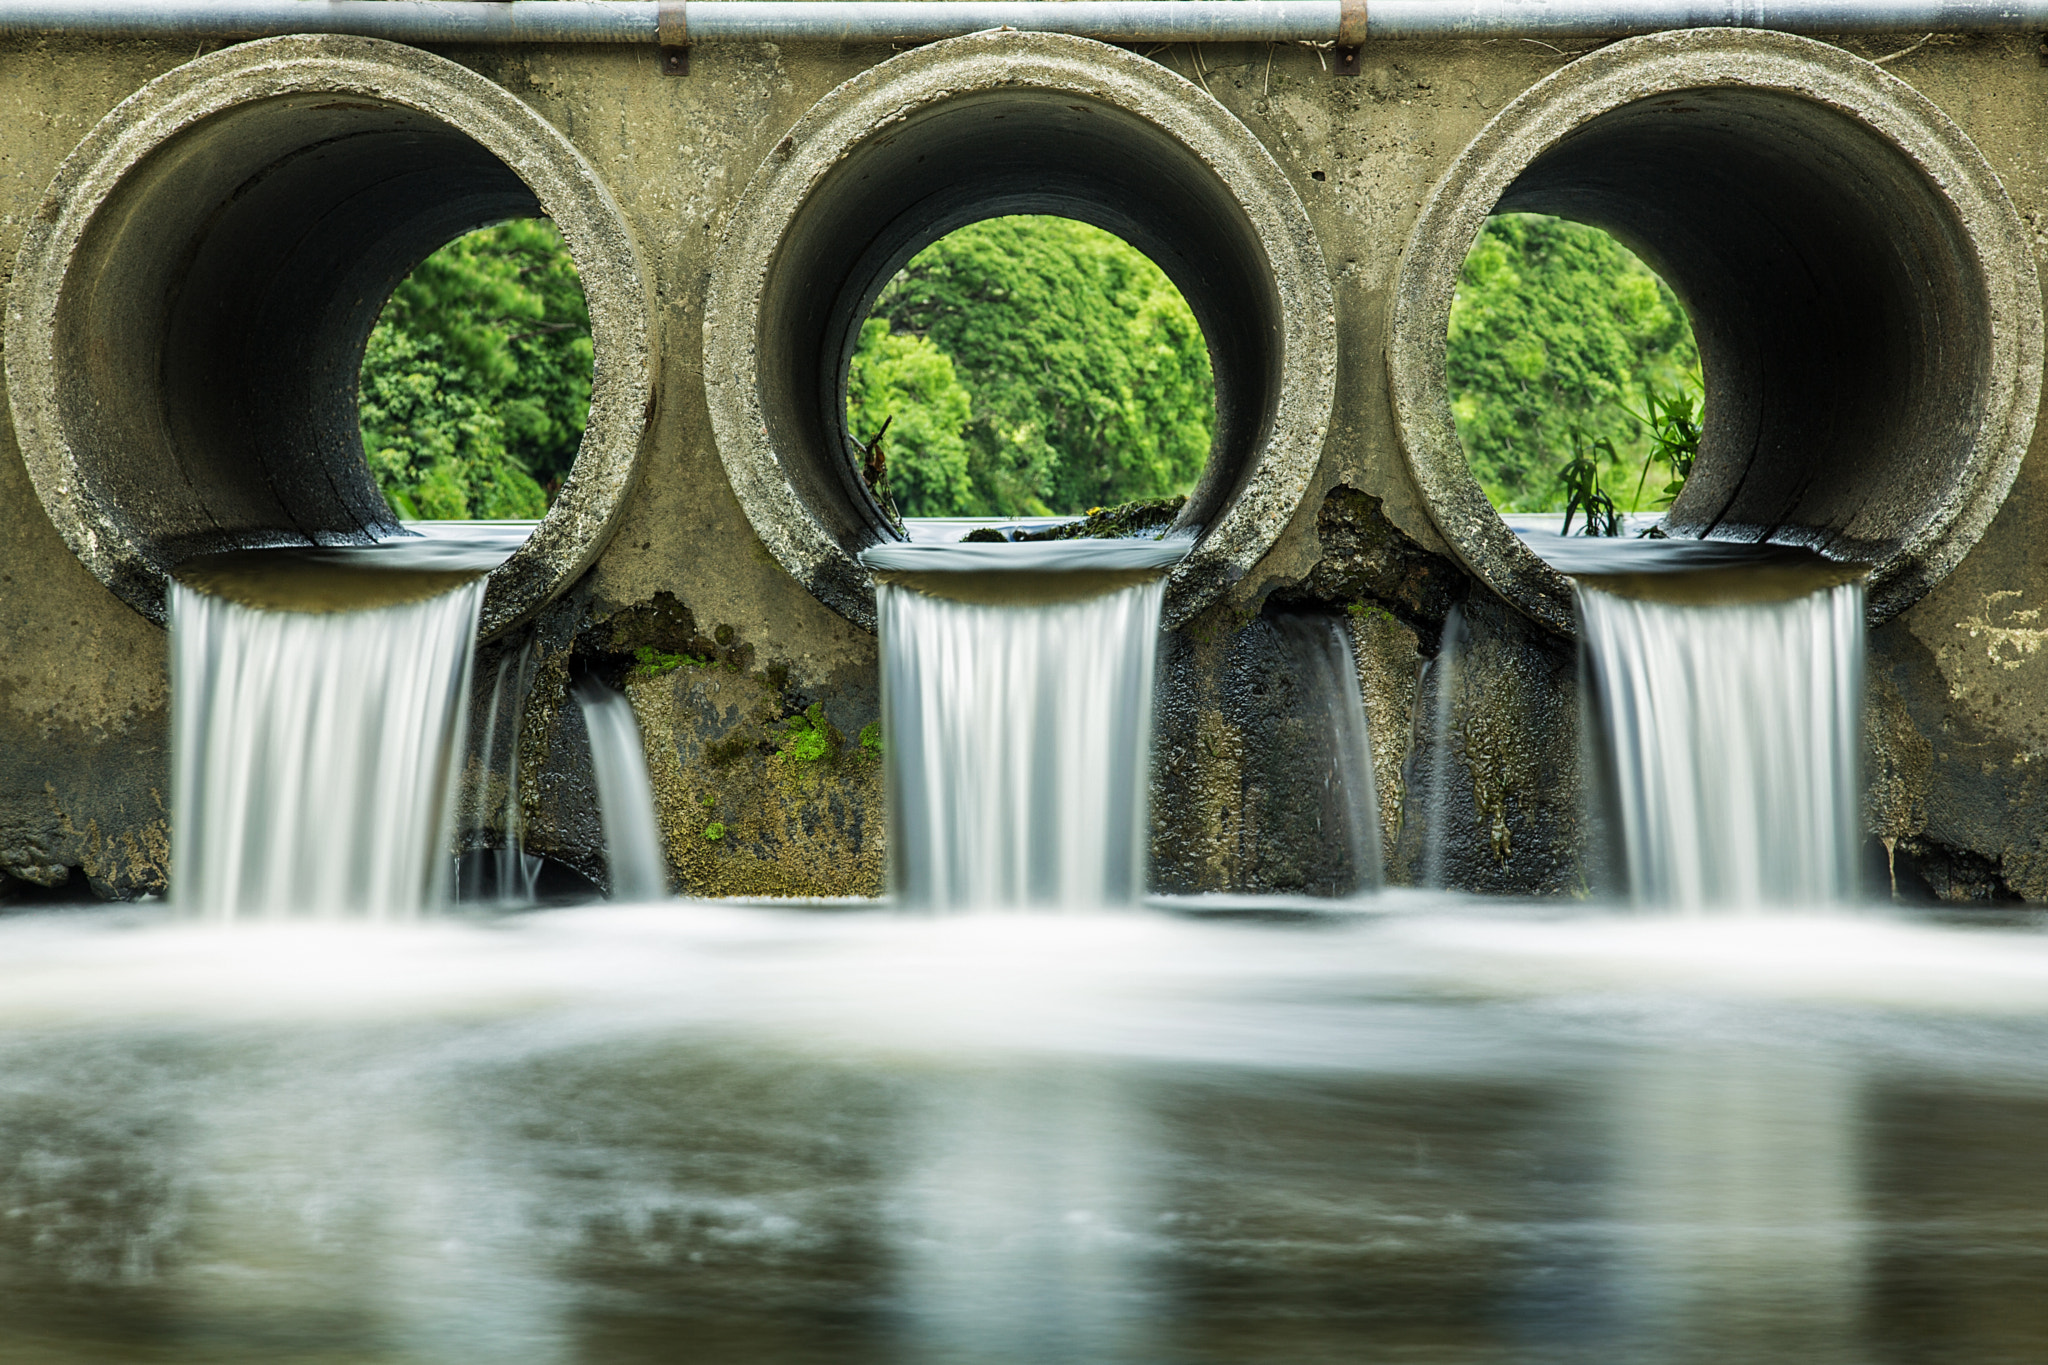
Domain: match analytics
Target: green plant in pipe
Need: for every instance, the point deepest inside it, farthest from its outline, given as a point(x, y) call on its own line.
point(1581, 478)
point(1673, 418)
point(1554, 326)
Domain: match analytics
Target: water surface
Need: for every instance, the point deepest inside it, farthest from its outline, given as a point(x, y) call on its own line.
point(1444, 1131)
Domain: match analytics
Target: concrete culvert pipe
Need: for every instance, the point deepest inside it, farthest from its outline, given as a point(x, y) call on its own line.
point(189, 312)
point(1012, 123)
point(1862, 291)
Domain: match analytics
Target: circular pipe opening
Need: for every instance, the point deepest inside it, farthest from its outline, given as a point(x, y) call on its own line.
point(1859, 285)
point(188, 317)
point(979, 127)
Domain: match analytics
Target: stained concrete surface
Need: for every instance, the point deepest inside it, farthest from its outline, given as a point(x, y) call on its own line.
point(83, 759)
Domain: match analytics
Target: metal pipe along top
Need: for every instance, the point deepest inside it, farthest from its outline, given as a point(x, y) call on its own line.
point(640, 21)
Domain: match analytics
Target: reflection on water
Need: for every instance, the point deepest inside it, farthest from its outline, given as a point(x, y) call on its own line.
point(650, 1134)
point(1027, 1222)
point(1735, 1191)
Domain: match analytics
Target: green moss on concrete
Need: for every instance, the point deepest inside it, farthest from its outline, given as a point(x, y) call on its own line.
point(652, 663)
point(757, 791)
point(809, 738)
point(1124, 521)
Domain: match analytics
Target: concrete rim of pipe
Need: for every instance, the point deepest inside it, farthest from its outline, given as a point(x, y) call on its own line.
point(1863, 292)
point(191, 302)
point(998, 123)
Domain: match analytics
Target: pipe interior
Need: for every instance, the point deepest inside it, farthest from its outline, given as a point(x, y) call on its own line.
point(1843, 326)
point(984, 156)
point(215, 318)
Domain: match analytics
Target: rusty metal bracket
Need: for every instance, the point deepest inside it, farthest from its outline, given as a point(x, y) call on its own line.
point(1350, 36)
point(672, 31)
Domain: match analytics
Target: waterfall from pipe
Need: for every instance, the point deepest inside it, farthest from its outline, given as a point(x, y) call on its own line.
point(1018, 727)
point(507, 874)
point(1440, 678)
point(625, 798)
point(1347, 804)
point(312, 754)
point(1731, 732)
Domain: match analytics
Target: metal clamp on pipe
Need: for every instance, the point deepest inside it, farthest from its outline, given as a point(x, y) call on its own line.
point(672, 31)
point(1350, 36)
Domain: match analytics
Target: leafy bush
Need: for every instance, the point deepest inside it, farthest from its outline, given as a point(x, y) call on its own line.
point(476, 381)
point(908, 383)
point(1034, 366)
point(1556, 331)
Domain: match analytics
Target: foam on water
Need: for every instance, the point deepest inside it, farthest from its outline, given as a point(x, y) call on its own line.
point(1167, 986)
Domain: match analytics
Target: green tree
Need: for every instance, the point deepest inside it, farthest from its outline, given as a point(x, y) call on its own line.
point(899, 376)
point(1558, 337)
point(1086, 376)
point(475, 385)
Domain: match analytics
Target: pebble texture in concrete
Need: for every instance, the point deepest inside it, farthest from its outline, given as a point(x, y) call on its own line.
point(1960, 675)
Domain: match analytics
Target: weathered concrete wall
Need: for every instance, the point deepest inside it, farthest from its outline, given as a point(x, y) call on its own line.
point(1960, 680)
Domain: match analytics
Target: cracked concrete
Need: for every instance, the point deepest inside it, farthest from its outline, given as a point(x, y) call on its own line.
point(1960, 721)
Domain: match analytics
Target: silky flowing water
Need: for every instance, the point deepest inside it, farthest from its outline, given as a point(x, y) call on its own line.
point(318, 708)
point(1346, 808)
point(1414, 1127)
point(505, 873)
point(1017, 706)
point(312, 754)
point(1733, 731)
point(1726, 685)
point(625, 800)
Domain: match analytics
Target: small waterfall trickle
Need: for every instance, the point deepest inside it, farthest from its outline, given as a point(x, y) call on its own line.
point(1347, 806)
point(1731, 731)
point(312, 754)
point(513, 873)
point(1440, 680)
point(632, 838)
point(1017, 701)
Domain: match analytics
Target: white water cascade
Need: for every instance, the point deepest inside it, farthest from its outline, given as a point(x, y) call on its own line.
point(1732, 731)
point(514, 873)
point(312, 754)
point(1347, 812)
point(1017, 711)
point(625, 798)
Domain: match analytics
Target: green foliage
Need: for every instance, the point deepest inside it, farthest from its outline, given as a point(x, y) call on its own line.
point(435, 444)
point(908, 384)
point(1369, 611)
point(1581, 479)
point(714, 831)
point(1673, 419)
point(650, 662)
point(1033, 365)
point(476, 382)
point(871, 737)
point(808, 737)
point(1554, 330)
